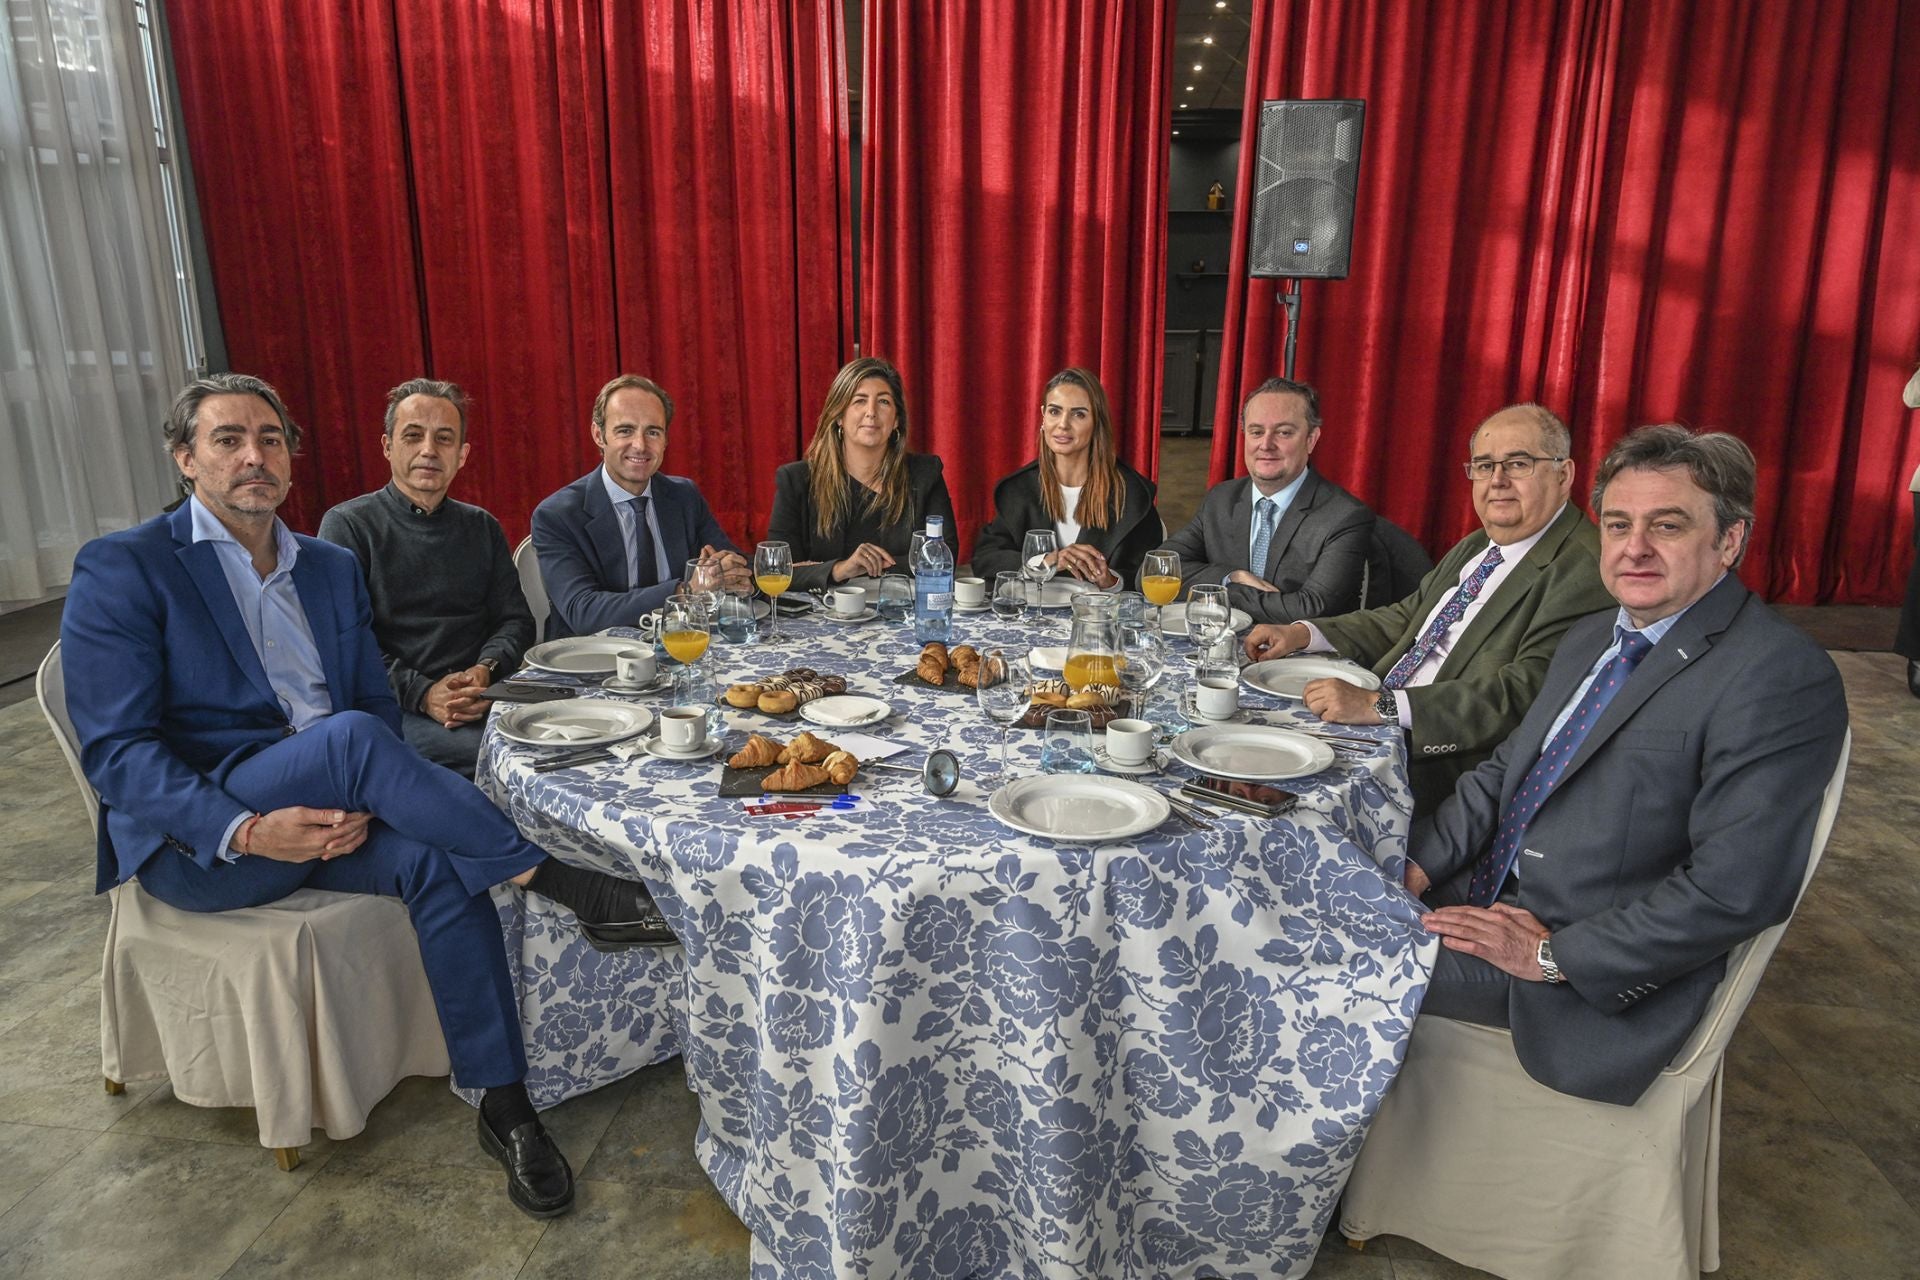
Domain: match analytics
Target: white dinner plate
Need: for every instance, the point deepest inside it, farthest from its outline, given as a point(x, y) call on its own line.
point(1050, 658)
point(573, 722)
point(1288, 677)
point(1251, 752)
point(845, 711)
point(582, 655)
point(1173, 619)
point(1078, 806)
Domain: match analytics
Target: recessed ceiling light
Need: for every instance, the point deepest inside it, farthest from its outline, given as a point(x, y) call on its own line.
point(1176, 133)
point(1206, 39)
point(1183, 106)
point(1196, 66)
point(1189, 88)
point(1219, 4)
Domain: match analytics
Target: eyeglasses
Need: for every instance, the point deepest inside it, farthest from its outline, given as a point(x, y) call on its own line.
point(1518, 467)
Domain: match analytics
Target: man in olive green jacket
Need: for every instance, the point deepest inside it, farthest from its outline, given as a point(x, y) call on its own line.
point(1464, 656)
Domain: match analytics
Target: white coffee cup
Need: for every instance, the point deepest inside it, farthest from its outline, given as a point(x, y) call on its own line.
point(970, 592)
point(634, 666)
point(1216, 696)
point(1129, 741)
point(849, 602)
point(683, 728)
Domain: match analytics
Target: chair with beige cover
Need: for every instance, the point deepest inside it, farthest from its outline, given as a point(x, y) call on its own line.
point(309, 1009)
point(1473, 1158)
point(532, 586)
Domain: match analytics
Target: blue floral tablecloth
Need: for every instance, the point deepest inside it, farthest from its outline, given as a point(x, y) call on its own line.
point(925, 1045)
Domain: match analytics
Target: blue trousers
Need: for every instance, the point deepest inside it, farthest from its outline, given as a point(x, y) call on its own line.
point(436, 843)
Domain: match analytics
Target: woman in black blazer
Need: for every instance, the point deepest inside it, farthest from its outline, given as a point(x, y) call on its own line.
point(851, 506)
point(1101, 508)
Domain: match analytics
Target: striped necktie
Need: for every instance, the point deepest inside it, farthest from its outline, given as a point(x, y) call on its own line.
point(1449, 614)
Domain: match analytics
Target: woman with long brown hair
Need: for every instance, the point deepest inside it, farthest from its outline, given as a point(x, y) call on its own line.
point(1101, 509)
point(850, 507)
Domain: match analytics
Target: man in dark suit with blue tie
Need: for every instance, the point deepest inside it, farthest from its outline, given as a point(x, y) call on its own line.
point(613, 543)
point(235, 717)
point(1655, 807)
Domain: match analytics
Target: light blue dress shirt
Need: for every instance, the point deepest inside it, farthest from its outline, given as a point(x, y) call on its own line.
point(1653, 631)
point(623, 504)
point(276, 624)
point(1281, 501)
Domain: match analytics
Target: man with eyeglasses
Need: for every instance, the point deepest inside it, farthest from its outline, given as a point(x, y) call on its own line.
point(1461, 659)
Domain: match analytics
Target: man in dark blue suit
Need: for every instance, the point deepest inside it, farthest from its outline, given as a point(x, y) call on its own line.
point(613, 543)
point(235, 717)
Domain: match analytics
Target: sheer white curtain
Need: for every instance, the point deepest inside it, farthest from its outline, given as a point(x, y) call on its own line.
point(95, 310)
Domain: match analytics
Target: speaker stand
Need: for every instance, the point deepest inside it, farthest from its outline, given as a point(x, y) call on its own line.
point(1290, 299)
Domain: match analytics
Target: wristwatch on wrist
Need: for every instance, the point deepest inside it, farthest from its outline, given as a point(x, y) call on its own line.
point(1386, 707)
point(491, 664)
point(1543, 955)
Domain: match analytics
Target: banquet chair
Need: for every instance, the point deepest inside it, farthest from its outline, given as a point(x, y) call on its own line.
point(533, 586)
point(309, 1009)
point(1473, 1158)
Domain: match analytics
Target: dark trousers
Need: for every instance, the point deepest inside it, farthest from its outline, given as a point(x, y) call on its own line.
point(1906, 641)
point(457, 749)
point(436, 843)
point(1463, 987)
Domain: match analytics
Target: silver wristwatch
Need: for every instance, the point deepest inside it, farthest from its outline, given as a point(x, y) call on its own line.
point(1387, 707)
point(1543, 956)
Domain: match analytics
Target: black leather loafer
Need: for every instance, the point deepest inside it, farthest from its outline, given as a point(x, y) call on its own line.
point(539, 1179)
point(649, 929)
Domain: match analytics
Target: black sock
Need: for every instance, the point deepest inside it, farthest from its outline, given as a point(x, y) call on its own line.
point(506, 1108)
point(594, 896)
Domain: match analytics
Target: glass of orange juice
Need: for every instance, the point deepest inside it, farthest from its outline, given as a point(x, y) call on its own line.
point(1160, 577)
point(773, 574)
point(685, 630)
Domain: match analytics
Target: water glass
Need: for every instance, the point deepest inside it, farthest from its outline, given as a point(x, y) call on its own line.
point(1068, 744)
point(1009, 595)
point(733, 619)
point(1003, 694)
point(1208, 615)
point(896, 598)
point(1034, 550)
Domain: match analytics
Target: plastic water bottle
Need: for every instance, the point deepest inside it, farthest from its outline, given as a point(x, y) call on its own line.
point(932, 563)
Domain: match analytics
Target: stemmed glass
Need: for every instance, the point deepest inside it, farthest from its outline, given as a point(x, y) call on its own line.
point(703, 579)
point(1143, 653)
point(1003, 693)
point(773, 574)
point(1038, 545)
point(685, 631)
point(1160, 577)
point(1009, 595)
point(1208, 616)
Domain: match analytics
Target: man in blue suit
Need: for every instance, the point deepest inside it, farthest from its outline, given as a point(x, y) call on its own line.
point(613, 543)
point(235, 717)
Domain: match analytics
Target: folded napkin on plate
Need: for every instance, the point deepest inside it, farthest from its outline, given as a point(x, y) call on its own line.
point(567, 732)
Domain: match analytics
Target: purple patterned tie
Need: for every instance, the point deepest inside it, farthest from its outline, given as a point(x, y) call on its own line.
point(1491, 871)
point(1451, 612)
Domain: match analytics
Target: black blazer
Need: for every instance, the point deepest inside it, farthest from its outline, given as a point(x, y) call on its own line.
point(1017, 508)
point(794, 519)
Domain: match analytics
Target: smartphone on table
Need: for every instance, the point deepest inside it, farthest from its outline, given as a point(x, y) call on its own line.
point(1258, 798)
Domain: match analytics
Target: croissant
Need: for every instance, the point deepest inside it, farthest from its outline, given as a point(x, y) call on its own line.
point(806, 749)
point(962, 655)
point(759, 752)
point(841, 766)
point(931, 669)
point(795, 777)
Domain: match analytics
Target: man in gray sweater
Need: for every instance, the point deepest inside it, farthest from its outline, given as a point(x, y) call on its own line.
point(447, 607)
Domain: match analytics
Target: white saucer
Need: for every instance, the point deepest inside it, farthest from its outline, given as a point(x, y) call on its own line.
point(865, 615)
point(1106, 762)
point(982, 607)
point(658, 750)
point(659, 682)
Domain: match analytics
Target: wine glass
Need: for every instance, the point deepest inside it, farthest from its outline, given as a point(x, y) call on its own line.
point(1034, 565)
point(686, 629)
point(1003, 694)
point(1160, 577)
point(1009, 595)
point(702, 578)
point(1208, 615)
point(773, 574)
point(1143, 653)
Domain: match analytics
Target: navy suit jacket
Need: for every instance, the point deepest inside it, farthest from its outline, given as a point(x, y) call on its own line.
point(583, 555)
point(1680, 828)
point(167, 694)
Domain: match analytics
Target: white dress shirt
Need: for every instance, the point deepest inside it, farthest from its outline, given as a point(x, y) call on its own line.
point(623, 504)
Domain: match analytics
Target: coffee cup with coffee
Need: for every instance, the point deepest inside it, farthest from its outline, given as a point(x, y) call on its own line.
point(1129, 741)
point(848, 602)
point(635, 667)
point(1216, 692)
point(683, 729)
point(970, 593)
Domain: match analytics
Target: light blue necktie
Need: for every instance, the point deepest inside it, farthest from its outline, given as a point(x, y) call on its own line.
point(1262, 535)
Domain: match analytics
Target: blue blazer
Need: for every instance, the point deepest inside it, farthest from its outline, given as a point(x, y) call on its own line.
point(583, 556)
point(167, 694)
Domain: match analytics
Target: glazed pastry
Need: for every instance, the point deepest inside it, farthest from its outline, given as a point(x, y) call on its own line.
point(1047, 698)
point(795, 777)
point(759, 752)
point(742, 695)
point(1051, 685)
point(841, 766)
point(807, 749)
point(778, 702)
point(1085, 700)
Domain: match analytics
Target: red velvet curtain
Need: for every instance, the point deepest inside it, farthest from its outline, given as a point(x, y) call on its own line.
point(1013, 183)
point(294, 124)
point(528, 198)
point(1632, 213)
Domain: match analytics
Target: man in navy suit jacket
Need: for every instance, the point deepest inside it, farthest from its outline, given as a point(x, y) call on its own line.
point(235, 717)
point(613, 543)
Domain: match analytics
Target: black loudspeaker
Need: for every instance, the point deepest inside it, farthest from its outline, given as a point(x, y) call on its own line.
point(1303, 192)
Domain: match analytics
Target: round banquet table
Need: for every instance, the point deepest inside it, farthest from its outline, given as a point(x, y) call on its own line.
point(927, 1045)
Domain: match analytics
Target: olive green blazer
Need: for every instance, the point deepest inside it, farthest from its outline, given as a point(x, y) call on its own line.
point(1494, 673)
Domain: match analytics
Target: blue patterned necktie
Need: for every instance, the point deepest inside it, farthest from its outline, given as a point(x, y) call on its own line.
point(1491, 871)
point(1262, 535)
point(645, 572)
point(1450, 613)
